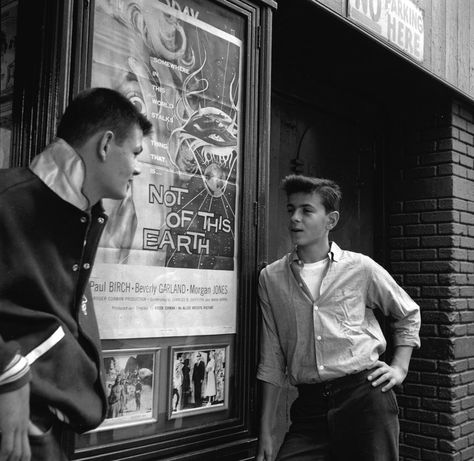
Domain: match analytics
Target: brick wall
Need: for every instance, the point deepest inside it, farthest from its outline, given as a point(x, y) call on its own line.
point(432, 256)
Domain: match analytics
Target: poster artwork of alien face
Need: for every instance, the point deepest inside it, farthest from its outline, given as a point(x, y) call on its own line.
point(180, 65)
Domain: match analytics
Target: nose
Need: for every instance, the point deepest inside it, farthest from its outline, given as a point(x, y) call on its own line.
point(295, 216)
point(136, 169)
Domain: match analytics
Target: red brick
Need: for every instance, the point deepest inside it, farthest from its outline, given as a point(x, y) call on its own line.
point(459, 122)
point(421, 415)
point(452, 203)
point(467, 218)
point(452, 169)
point(395, 231)
point(428, 455)
point(450, 433)
point(439, 348)
point(420, 205)
point(407, 218)
point(467, 403)
point(421, 441)
point(444, 291)
point(449, 393)
point(453, 446)
point(440, 216)
point(452, 304)
point(421, 279)
point(452, 279)
point(466, 137)
point(452, 330)
point(449, 156)
point(455, 366)
point(420, 229)
point(452, 253)
point(466, 161)
point(405, 242)
point(452, 228)
point(440, 266)
point(452, 419)
point(402, 267)
point(463, 348)
point(440, 241)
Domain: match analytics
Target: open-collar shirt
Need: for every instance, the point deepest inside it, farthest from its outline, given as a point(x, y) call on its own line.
point(307, 340)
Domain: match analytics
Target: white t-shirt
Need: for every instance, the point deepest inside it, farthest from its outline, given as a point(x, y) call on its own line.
point(313, 274)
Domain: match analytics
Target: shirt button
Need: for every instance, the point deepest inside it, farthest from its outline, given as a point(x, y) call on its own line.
point(300, 284)
point(86, 266)
point(75, 267)
point(316, 308)
point(321, 367)
point(83, 220)
point(319, 338)
point(101, 220)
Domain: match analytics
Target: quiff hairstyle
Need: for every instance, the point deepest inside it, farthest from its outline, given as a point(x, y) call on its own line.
point(99, 109)
point(328, 190)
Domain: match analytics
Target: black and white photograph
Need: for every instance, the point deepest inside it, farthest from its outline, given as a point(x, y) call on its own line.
point(198, 380)
point(236, 230)
point(130, 387)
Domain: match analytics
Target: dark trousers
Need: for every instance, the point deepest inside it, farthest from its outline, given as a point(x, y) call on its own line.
point(341, 420)
point(57, 442)
point(50, 445)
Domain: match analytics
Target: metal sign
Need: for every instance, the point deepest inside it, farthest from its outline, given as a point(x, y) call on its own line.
point(400, 22)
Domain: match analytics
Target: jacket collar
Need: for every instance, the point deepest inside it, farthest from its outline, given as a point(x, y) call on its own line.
point(334, 254)
point(63, 171)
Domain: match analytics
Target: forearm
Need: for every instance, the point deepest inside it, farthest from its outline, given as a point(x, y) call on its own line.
point(270, 396)
point(401, 358)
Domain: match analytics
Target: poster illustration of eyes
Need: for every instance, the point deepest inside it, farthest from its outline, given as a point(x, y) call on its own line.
point(174, 235)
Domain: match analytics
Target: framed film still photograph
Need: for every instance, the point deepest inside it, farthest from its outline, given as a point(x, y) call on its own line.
point(131, 387)
point(198, 380)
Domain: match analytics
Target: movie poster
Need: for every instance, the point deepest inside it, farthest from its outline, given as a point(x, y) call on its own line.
point(166, 265)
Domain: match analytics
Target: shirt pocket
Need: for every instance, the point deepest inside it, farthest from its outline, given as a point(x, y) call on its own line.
point(350, 307)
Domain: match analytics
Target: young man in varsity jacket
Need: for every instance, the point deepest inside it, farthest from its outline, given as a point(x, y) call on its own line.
point(51, 220)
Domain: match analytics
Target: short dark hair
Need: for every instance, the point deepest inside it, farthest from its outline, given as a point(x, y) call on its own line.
point(328, 190)
point(99, 109)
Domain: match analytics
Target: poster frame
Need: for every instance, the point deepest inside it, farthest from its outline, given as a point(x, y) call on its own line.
point(195, 349)
point(124, 421)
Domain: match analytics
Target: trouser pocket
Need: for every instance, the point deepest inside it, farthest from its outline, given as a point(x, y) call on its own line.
point(46, 447)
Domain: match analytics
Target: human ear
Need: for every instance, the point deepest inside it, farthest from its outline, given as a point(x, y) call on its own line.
point(333, 219)
point(104, 144)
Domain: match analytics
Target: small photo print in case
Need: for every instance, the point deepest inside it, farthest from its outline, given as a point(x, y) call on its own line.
point(130, 386)
point(199, 381)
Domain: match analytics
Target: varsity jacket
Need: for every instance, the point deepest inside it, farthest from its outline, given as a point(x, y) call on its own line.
point(48, 330)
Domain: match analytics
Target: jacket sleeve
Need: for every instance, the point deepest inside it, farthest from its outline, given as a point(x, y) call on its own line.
point(14, 368)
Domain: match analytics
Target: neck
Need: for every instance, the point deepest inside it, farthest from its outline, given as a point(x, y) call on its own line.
point(89, 187)
point(314, 253)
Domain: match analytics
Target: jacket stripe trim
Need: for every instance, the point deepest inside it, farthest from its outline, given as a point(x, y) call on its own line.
point(17, 368)
point(45, 346)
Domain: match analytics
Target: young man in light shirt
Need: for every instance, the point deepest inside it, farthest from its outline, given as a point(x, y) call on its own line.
point(319, 332)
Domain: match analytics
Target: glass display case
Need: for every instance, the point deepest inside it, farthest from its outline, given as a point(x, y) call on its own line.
point(174, 281)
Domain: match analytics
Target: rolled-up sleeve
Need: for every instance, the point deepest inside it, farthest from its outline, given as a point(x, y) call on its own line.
point(272, 364)
point(383, 292)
